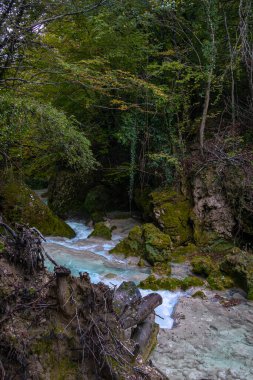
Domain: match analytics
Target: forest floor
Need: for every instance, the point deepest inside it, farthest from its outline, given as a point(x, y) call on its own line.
point(211, 339)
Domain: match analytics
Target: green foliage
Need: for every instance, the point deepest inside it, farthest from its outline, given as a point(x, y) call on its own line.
point(42, 137)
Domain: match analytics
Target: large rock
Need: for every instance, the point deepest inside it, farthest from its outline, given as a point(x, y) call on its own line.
point(148, 242)
point(171, 210)
point(211, 206)
point(101, 230)
point(240, 267)
point(67, 192)
point(19, 204)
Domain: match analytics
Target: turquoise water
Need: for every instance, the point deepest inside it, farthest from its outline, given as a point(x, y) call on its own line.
point(83, 254)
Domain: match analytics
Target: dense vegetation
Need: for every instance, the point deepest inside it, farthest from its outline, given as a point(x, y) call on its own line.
point(109, 100)
point(141, 80)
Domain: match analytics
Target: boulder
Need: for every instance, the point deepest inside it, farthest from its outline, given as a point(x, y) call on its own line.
point(19, 204)
point(101, 230)
point(171, 210)
point(67, 192)
point(127, 293)
point(240, 268)
point(146, 241)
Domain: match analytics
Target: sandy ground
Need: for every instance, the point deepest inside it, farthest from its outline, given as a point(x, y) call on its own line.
point(208, 342)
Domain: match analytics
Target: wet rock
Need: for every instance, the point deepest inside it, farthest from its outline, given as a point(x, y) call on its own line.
point(127, 293)
point(102, 230)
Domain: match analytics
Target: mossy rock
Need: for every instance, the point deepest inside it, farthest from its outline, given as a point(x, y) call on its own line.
point(162, 269)
point(101, 230)
point(20, 204)
point(133, 245)
point(219, 281)
point(1, 246)
point(191, 281)
point(170, 283)
point(203, 266)
point(172, 211)
point(146, 241)
point(66, 193)
point(240, 267)
point(157, 244)
point(199, 294)
point(167, 283)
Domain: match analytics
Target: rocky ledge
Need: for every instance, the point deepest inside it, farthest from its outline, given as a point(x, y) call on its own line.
point(212, 338)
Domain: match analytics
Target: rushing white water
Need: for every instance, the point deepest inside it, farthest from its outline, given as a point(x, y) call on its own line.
point(83, 254)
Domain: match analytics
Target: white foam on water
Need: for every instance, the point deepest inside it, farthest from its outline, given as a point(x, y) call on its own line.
point(112, 272)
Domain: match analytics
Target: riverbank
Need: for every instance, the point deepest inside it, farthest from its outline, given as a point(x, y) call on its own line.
point(208, 341)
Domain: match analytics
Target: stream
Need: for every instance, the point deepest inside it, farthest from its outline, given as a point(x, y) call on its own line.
point(84, 254)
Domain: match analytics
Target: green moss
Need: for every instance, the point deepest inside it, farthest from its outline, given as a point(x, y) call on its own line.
point(191, 281)
point(218, 281)
point(203, 266)
point(146, 241)
point(199, 294)
point(21, 205)
point(170, 283)
point(154, 283)
point(240, 267)
point(172, 211)
point(162, 268)
point(102, 231)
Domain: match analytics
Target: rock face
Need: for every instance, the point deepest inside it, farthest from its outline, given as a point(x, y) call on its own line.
point(208, 342)
point(19, 204)
point(211, 206)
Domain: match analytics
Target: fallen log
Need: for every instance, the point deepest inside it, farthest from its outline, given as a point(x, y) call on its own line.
point(139, 312)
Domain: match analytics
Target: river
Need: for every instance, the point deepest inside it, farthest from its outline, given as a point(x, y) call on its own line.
point(84, 254)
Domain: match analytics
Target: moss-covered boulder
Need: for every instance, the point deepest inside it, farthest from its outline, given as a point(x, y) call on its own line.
point(67, 192)
point(19, 204)
point(240, 268)
point(101, 230)
point(172, 211)
point(157, 245)
point(146, 241)
point(133, 245)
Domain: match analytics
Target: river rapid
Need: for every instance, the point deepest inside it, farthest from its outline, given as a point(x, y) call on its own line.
point(84, 254)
